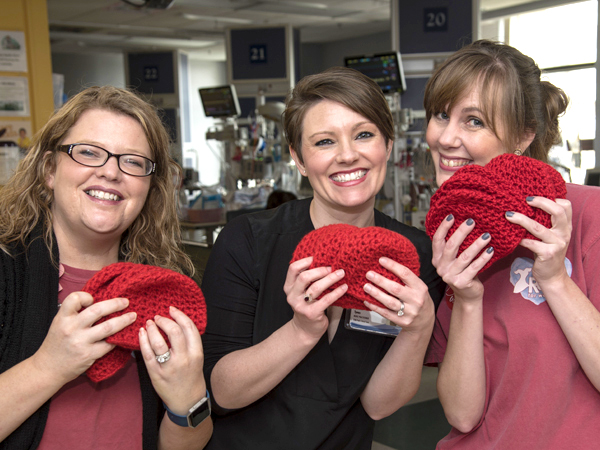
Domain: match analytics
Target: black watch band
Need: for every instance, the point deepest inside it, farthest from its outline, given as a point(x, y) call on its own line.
point(195, 416)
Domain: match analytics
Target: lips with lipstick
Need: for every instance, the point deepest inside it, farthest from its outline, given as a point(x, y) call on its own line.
point(102, 195)
point(455, 163)
point(486, 193)
point(352, 176)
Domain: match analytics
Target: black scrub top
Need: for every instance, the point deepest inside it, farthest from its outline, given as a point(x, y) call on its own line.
point(317, 406)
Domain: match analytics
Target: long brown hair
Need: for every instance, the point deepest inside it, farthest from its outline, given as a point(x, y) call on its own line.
point(512, 95)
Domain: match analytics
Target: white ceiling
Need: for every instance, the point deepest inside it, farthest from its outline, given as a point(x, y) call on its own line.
point(198, 26)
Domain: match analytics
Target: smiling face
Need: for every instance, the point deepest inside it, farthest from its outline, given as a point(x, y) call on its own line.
point(99, 202)
point(344, 157)
point(461, 136)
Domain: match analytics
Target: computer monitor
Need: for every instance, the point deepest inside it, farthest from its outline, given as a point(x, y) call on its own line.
point(385, 69)
point(264, 59)
point(220, 102)
point(592, 177)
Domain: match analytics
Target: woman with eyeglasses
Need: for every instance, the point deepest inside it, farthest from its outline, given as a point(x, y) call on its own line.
point(95, 188)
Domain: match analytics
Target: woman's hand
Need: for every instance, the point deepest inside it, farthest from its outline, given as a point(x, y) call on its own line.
point(409, 306)
point(303, 286)
point(460, 272)
point(550, 251)
point(73, 342)
point(179, 381)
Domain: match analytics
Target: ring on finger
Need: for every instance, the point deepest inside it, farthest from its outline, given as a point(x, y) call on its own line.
point(308, 298)
point(401, 310)
point(164, 357)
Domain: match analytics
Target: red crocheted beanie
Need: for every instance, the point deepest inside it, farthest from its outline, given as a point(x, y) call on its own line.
point(356, 250)
point(486, 193)
point(150, 290)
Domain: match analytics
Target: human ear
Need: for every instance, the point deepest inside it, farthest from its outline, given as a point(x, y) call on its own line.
point(526, 140)
point(298, 162)
point(49, 170)
point(390, 146)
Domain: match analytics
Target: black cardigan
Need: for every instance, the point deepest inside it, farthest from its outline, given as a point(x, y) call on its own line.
point(28, 304)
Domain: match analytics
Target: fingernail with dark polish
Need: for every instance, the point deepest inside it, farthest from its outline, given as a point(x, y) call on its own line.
point(485, 236)
point(530, 198)
point(470, 222)
point(449, 217)
point(490, 250)
point(510, 213)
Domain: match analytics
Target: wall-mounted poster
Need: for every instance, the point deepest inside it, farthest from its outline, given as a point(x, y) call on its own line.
point(14, 96)
point(15, 133)
point(15, 139)
point(13, 55)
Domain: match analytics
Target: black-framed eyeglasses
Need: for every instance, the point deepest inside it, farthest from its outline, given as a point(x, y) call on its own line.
point(94, 156)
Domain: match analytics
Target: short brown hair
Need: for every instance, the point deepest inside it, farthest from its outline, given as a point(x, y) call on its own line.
point(339, 84)
point(154, 237)
point(512, 95)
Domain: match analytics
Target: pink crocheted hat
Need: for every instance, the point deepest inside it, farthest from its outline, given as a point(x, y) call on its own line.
point(150, 290)
point(486, 193)
point(356, 250)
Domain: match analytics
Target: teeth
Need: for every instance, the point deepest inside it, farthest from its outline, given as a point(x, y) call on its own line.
point(102, 195)
point(349, 176)
point(454, 162)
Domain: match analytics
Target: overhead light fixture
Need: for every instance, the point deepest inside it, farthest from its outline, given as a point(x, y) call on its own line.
point(216, 18)
point(304, 4)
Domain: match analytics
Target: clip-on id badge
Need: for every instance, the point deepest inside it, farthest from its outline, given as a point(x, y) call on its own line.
point(370, 322)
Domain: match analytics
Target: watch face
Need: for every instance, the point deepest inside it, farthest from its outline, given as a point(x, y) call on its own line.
point(199, 412)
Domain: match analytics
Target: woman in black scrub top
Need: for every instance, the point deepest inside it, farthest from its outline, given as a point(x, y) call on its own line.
point(285, 373)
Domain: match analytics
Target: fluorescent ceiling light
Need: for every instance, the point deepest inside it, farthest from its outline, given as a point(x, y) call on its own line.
point(215, 18)
point(304, 4)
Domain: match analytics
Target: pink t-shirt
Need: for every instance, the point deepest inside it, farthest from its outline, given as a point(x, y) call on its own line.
point(537, 395)
point(94, 416)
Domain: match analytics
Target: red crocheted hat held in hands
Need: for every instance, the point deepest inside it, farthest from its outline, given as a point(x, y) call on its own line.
point(356, 250)
point(486, 193)
point(151, 291)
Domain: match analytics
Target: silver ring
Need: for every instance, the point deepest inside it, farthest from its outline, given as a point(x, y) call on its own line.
point(401, 310)
point(164, 357)
point(308, 298)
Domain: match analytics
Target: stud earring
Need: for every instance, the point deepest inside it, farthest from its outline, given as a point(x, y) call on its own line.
point(518, 152)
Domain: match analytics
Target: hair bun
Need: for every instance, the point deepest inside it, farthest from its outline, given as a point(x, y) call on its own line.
point(151, 291)
point(356, 250)
point(486, 193)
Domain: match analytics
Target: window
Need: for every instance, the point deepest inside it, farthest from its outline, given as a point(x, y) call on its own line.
point(562, 40)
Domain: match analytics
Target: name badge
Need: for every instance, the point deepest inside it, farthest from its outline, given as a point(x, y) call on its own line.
point(370, 322)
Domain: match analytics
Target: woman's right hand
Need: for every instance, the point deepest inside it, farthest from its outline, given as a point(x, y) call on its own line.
point(73, 342)
point(460, 271)
point(310, 316)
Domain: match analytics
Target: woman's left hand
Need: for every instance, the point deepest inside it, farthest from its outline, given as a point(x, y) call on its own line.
point(551, 249)
point(179, 381)
point(412, 299)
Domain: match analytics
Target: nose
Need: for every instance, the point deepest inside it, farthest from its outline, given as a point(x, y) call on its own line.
point(449, 136)
point(347, 153)
point(110, 169)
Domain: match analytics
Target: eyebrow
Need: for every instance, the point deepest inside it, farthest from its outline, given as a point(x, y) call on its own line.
point(472, 109)
point(358, 125)
point(127, 151)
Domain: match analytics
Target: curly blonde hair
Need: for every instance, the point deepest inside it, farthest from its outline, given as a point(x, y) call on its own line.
point(153, 238)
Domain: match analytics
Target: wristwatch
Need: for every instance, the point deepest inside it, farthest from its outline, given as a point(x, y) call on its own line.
point(195, 416)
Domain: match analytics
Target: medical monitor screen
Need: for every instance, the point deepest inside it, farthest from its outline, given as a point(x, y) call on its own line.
point(385, 69)
point(220, 101)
